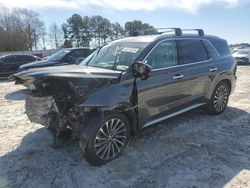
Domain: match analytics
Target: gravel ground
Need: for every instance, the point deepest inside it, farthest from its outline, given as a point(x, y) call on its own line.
point(192, 150)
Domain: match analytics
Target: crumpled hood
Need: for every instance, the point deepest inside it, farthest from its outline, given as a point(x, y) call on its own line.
point(68, 71)
point(36, 64)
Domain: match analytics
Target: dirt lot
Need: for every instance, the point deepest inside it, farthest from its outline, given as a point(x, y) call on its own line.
point(192, 150)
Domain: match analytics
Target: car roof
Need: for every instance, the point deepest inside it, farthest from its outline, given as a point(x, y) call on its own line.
point(164, 36)
point(78, 48)
point(8, 55)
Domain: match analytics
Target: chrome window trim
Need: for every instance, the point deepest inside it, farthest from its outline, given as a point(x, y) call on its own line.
point(195, 63)
point(176, 49)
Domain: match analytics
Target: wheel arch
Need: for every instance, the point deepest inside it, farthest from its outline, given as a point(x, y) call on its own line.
point(87, 129)
point(226, 79)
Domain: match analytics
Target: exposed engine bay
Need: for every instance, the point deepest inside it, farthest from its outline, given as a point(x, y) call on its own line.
point(55, 103)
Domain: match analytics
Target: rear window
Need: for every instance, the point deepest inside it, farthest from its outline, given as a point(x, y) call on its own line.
point(221, 46)
point(191, 51)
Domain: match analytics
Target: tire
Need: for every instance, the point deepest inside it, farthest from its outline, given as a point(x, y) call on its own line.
point(219, 100)
point(108, 138)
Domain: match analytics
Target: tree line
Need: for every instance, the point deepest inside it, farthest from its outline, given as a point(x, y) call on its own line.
point(22, 29)
point(81, 31)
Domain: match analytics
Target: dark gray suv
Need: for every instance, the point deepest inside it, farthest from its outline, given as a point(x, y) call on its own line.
point(128, 85)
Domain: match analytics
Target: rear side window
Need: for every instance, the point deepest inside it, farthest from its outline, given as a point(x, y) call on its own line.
point(221, 46)
point(191, 51)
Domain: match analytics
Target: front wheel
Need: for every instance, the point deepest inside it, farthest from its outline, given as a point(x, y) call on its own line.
point(108, 139)
point(219, 99)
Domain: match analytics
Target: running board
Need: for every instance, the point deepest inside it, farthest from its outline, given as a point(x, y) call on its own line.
point(173, 114)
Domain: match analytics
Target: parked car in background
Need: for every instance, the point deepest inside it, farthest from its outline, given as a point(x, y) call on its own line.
point(10, 63)
point(242, 57)
point(63, 57)
point(128, 85)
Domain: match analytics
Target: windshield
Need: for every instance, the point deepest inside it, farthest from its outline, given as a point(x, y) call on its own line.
point(59, 55)
point(118, 56)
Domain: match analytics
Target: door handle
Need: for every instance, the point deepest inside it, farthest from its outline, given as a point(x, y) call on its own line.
point(177, 77)
point(213, 69)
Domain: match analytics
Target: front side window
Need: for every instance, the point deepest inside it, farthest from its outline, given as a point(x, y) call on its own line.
point(164, 55)
point(72, 56)
point(59, 55)
point(191, 51)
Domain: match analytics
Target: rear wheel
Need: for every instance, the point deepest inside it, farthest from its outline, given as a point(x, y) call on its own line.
point(108, 139)
point(219, 99)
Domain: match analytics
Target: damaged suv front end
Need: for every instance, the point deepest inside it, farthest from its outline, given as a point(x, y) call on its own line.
point(56, 98)
point(65, 99)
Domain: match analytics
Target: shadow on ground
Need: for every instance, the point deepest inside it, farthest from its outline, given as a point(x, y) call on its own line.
point(192, 150)
point(18, 95)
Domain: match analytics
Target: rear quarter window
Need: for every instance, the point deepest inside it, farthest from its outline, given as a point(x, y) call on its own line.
point(221, 46)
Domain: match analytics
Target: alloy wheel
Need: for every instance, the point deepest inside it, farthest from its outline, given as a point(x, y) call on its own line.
point(110, 139)
point(220, 98)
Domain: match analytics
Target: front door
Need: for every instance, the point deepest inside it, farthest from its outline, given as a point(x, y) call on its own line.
point(160, 92)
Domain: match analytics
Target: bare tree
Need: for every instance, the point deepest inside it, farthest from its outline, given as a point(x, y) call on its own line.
point(43, 35)
point(32, 25)
point(55, 35)
point(21, 29)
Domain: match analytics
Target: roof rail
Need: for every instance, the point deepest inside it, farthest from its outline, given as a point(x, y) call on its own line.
point(200, 31)
point(177, 31)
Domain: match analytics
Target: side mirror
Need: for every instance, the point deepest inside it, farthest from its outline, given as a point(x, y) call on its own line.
point(141, 70)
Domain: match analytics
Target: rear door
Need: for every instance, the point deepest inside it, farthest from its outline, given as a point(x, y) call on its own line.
point(8, 65)
point(16, 61)
point(196, 64)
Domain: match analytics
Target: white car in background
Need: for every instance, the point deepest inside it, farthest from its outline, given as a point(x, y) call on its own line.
point(242, 57)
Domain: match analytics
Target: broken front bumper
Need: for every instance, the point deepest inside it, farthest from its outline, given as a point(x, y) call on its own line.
point(38, 108)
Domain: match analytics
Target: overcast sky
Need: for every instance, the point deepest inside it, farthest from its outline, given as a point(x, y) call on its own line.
point(228, 19)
